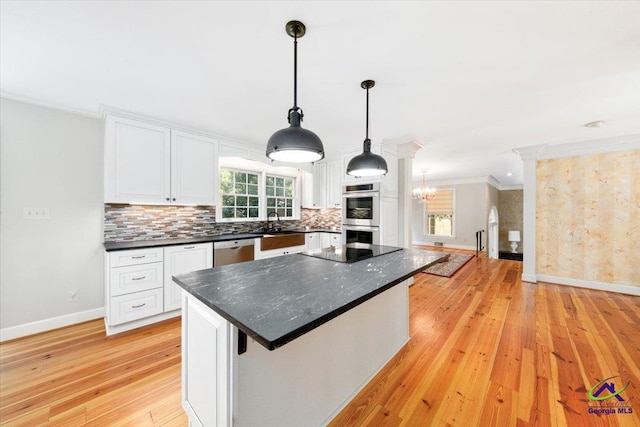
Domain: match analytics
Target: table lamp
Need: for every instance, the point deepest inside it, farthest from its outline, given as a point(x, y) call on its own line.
point(514, 238)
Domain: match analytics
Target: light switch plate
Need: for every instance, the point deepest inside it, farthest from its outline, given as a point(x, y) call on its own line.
point(35, 213)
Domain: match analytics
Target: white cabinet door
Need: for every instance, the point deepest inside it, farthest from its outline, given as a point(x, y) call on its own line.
point(334, 184)
point(330, 239)
point(319, 185)
point(179, 260)
point(206, 361)
point(193, 172)
point(306, 186)
point(137, 162)
point(313, 241)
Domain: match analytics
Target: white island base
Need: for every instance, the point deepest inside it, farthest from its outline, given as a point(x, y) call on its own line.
point(306, 382)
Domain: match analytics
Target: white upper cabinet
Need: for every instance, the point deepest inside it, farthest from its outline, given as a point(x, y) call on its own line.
point(193, 171)
point(326, 186)
point(137, 162)
point(334, 184)
point(319, 185)
point(150, 164)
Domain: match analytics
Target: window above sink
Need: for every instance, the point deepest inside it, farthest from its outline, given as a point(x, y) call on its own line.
point(250, 190)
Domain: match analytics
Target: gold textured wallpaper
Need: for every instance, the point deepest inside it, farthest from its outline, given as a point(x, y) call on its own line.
point(588, 217)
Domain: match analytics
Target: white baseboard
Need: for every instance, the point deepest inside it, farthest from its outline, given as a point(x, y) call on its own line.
point(532, 278)
point(19, 331)
point(589, 284)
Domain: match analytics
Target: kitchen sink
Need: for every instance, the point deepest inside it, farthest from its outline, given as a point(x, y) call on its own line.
point(276, 232)
point(279, 240)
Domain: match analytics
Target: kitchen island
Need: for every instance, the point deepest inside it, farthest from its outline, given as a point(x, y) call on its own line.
point(319, 331)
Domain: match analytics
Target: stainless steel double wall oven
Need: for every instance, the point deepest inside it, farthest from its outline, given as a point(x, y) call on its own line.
point(361, 213)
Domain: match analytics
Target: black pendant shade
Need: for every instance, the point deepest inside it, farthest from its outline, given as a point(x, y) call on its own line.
point(367, 163)
point(295, 144)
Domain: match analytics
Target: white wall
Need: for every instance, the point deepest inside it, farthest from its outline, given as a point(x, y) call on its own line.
point(49, 159)
point(472, 205)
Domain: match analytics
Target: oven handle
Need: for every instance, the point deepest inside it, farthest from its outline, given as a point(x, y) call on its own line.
point(360, 195)
point(360, 228)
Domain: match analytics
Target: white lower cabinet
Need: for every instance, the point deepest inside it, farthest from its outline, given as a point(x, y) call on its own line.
point(139, 288)
point(179, 260)
point(279, 252)
point(313, 241)
point(330, 239)
point(206, 365)
point(125, 308)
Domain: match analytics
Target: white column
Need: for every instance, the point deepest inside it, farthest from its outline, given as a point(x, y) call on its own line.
point(406, 154)
point(529, 156)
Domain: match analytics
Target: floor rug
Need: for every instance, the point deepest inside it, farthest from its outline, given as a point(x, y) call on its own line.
point(449, 266)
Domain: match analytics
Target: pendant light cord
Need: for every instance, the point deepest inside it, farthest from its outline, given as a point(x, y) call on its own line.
point(295, 72)
point(367, 121)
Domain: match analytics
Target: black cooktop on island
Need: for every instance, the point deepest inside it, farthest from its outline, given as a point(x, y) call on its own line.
point(351, 252)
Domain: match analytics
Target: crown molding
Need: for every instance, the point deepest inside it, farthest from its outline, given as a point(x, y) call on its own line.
point(581, 148)
point(44, 104)
point(408, 150)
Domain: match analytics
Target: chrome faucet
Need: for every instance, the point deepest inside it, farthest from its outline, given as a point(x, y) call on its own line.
point(269, 225)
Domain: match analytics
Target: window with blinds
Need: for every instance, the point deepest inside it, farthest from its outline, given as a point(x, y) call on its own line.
point(439, 213)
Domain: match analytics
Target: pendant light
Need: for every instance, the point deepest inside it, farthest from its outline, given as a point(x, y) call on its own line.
point(367, 163)
point(295, 144)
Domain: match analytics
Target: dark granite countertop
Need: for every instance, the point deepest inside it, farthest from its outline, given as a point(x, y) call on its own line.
point(277, 300)
point(152, 243)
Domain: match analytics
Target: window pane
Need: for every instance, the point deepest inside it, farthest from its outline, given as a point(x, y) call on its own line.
point(253, 212)
point(280, 211)
point(253, 178)
point(226, 187)
point(270, 191)
point(227, 212)
point(228, 201)
point(241, 177)
point(241, 189)
point(241, 201)
point(279, 192)
point(252, 189)
point(241, 212)
point(253, 201)
point(226, 175)
point(270, 181)
point(289, 203)
point(279, 182)
point(271, 202)
point(280, 203)
point(289, 212)
point(288, 192)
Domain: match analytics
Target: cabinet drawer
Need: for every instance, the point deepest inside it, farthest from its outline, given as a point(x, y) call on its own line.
point(125, 308)
point(135, 256)
point(135, 278)
point(336, 239)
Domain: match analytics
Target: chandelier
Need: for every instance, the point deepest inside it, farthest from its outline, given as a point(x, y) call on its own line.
point(424, 192)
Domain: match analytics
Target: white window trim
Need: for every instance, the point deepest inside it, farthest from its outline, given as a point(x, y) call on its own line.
point(425, 215)
point(262, 170)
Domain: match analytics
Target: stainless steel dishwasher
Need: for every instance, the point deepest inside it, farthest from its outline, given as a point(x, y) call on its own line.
point(232, 252)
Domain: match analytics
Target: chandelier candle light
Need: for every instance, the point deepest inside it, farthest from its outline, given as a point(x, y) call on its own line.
point(424, 192)
point(367, 163)
point(295, 144)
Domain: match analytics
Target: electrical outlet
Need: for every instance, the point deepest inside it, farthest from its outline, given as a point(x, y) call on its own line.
point(73, 296)
point(35, 213)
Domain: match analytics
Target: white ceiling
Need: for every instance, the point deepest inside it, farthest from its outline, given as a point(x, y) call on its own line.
point(468, 80)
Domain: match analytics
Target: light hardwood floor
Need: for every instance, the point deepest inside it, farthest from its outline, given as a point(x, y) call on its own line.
point(485, 350)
